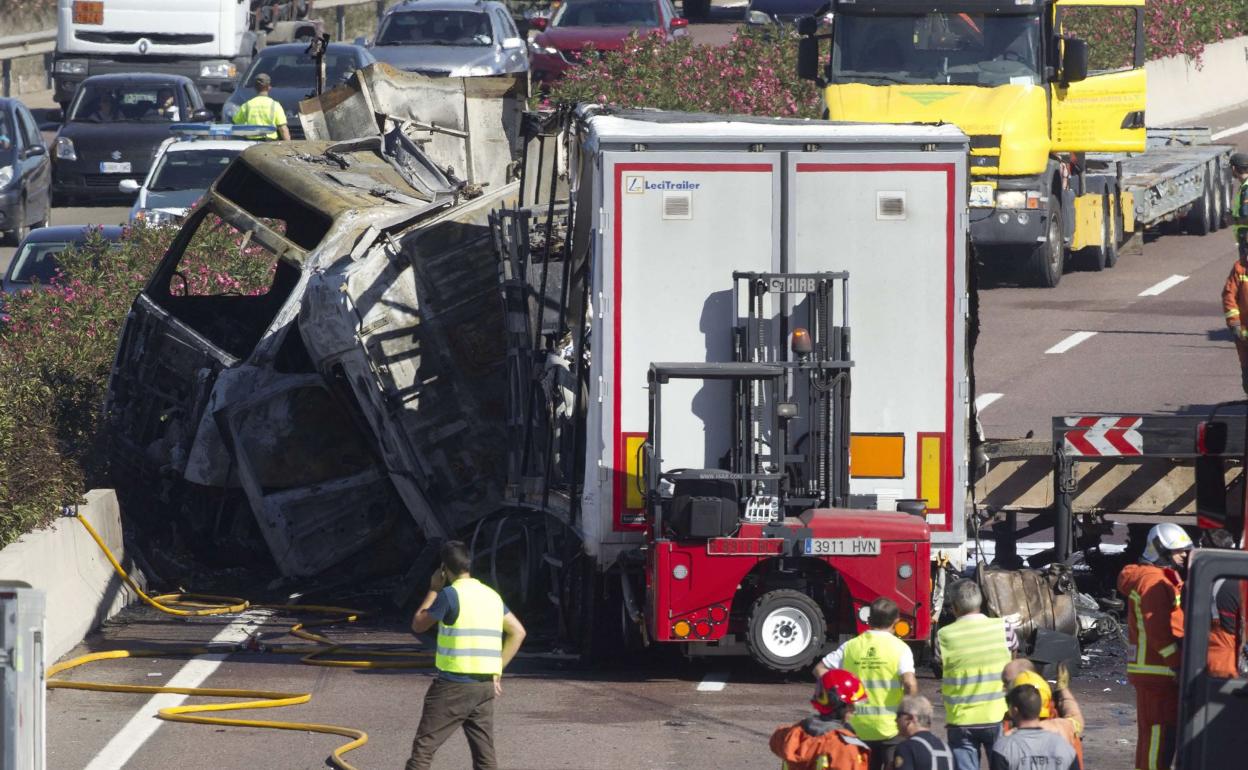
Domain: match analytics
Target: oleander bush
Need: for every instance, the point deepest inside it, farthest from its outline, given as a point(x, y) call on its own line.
point(57, 344)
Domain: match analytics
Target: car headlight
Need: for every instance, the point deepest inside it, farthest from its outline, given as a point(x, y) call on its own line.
point(6, 175)
point(539, 48)
point(1019, 199)
point(65, 148)
point(221, 70)
point(70, 67)
point(156, 217)
point(758, 17)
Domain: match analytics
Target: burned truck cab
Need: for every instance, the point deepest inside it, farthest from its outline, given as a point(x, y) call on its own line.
point(296, 366)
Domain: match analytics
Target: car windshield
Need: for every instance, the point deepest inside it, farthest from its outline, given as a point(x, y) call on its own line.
point(597, 14)
point(937, 48)
point(98, 103)
point(297, 70)
point(37, 262)
point(190, 169)
point(436, 28)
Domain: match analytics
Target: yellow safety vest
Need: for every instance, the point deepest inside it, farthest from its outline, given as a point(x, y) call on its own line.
point(473, 644)
point(973, 652)
point(261, 111)
point(875, 657)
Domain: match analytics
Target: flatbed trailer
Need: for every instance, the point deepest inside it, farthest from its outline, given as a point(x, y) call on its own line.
point(1181, 176)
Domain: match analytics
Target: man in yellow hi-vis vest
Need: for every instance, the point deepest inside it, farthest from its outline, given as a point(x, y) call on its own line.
point(885, 664)
point(477, 637)
point(263, 110)
point(972, 651)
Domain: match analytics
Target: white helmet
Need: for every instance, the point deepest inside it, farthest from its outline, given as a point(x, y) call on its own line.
point(1164, 539)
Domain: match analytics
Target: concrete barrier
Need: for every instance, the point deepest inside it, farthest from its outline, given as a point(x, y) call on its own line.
point(1179, 93)
point(82, 588)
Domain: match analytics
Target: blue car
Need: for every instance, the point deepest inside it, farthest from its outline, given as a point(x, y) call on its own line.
point(35, 260)
point(25, 172)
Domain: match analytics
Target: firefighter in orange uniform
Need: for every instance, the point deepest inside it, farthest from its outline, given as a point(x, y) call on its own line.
point(825, 741)
point(1155, 628)
point(1223, 658)
point(1235, 291)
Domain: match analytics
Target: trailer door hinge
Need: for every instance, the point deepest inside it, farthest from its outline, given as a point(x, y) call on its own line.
point(6, 658)
point(604, 221)
point(966, 221)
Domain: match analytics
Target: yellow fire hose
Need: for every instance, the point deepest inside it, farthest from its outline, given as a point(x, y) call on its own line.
point(323, 652)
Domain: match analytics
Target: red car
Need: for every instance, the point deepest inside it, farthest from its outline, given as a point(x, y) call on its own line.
point(605, 23)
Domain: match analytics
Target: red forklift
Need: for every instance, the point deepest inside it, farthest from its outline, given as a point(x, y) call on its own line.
point(765, 554)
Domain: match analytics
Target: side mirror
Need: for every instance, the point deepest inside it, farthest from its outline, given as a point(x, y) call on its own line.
point(1074, 60)
point(202, 114)
point(34, 150)
point(808, 59)
point(539, 23)
point(512, 44)
point(679, 23)
point(128, 186)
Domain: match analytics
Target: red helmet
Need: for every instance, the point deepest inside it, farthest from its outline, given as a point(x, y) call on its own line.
point(837, 687)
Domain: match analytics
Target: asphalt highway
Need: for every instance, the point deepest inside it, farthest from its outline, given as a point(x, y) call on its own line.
point(660, 711)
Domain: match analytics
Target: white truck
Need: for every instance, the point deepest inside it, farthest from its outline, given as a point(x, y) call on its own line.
point(209, 41)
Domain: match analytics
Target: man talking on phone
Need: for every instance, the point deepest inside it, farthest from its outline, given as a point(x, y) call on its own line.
point(477, 637)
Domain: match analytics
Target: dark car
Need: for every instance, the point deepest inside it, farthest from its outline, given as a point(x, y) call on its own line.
point(25, 172)
point(604, 23)
point(456, 38)
point(35, 260)
point(112, 129)
point(293, 74)
point(788, 12)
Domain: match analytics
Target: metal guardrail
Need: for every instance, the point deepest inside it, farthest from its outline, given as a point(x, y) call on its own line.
point(43, 42)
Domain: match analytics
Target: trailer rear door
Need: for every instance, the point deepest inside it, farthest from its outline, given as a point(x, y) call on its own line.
point(674, 226)
point(896, 222)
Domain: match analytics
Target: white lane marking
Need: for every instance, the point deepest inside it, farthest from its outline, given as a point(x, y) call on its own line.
point(144, 723)
point(1169, 283)
point(986, 400)
point(1241, 128)
point(713, 682)
point(1070, 342)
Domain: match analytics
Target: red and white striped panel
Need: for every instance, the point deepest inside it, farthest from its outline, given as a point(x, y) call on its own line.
point(1104, 436)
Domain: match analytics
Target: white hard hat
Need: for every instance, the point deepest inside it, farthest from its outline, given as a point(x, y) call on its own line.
point(1165, 538)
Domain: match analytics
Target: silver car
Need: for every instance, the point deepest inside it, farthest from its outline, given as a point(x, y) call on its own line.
point(455, 38)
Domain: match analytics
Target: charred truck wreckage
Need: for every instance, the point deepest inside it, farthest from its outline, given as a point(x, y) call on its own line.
point(437, 351)
point(361, 391)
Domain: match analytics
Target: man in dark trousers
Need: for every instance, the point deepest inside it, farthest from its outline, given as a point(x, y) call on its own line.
point(477, 637)
point(919, 749)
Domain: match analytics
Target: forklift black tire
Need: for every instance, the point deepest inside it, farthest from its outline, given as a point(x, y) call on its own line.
point(1199, 218)
point(1048, 259)
point(786, 630)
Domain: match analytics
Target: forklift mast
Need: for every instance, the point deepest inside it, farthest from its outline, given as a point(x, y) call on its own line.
point(790, 411)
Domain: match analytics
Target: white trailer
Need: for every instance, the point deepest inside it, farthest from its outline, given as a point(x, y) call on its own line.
point(681, 202)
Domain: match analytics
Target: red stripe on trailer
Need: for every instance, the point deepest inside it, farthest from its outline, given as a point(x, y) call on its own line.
point(618, 465)
point(950, 304)
point(1118, 439)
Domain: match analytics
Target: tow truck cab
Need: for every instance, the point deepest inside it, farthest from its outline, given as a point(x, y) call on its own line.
point(1034, 83)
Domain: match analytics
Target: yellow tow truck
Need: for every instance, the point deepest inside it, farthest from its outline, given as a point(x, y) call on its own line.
point(1061, 162)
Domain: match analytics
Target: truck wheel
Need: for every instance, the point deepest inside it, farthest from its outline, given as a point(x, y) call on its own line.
point(1219, 204)
point(1198, 220)
point(786, 631)
point(1113, 222)
point(1044, 269)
